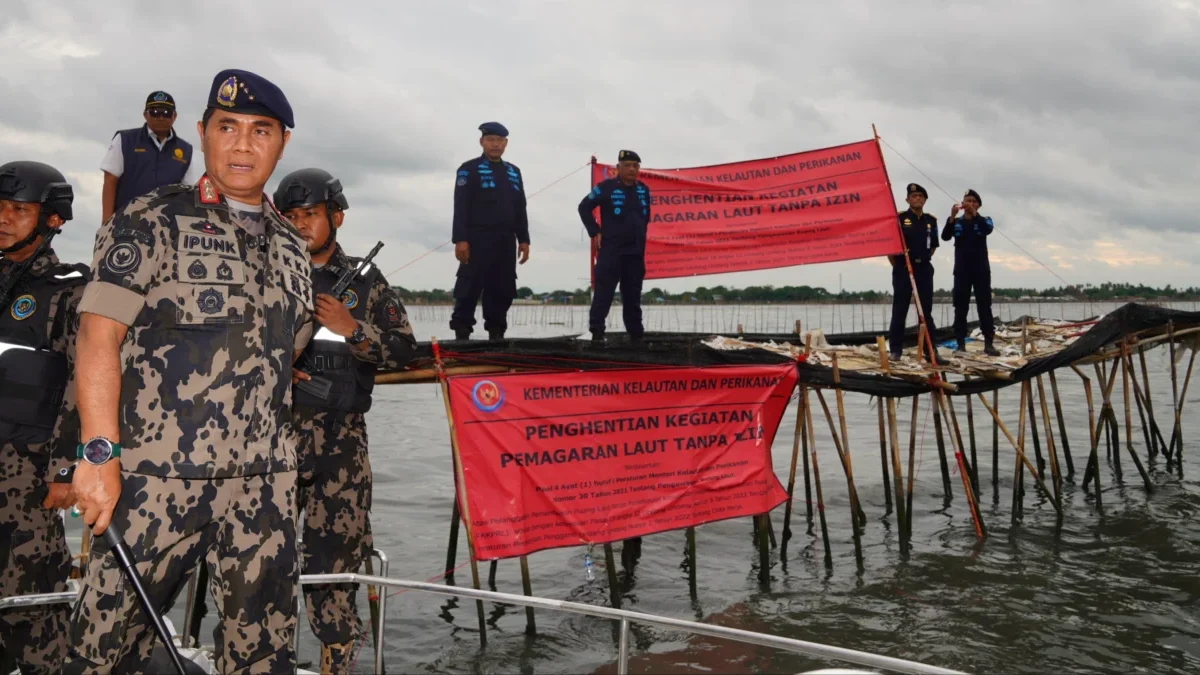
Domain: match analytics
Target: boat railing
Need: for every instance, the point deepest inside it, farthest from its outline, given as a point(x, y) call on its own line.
point(624, 617)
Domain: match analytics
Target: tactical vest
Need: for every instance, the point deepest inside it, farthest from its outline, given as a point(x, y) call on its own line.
point(328, 354)
point(33, 379)
point(146, 167)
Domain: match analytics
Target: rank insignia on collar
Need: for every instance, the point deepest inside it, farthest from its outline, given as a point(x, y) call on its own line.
point(208, 192)
point(227, 94)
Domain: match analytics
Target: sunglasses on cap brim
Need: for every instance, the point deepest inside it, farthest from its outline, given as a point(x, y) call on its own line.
point(160, 111)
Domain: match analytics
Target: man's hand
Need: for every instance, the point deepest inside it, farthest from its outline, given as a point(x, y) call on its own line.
point(60, 496)
point(97, 489)
point(332, 314)
point(523, 253)
point(954, 210)
point(298, 375)
point(462, 251)
point(597, 238)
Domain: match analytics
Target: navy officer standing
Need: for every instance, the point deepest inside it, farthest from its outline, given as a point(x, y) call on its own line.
point(971, 270)
point(920, 239)
point(624, 204)
point(491, 226)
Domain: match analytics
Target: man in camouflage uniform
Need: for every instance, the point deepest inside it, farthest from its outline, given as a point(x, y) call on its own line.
point(365, 329)
point(38, 299)
point(199, 304)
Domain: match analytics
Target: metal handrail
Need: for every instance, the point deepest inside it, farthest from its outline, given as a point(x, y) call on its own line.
point(625, 617)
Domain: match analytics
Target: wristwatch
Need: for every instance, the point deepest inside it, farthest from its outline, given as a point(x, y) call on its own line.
point(98, 450)
point(357, 337)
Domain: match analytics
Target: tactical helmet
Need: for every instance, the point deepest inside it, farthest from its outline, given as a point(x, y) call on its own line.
point(307, 187)
point(37, 183)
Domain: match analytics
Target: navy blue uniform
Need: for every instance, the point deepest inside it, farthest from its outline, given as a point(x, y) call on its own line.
point(971, 270)
point(624, 217)
point(920, 238)
point(490, 215)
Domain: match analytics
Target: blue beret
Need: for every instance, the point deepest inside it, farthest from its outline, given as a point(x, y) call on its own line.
point(493, 129)
point(241, 91)
point(628, 156)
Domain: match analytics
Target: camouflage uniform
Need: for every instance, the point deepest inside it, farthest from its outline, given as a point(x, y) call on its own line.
point(335, 472)
point(35, 557)
point(216, 300)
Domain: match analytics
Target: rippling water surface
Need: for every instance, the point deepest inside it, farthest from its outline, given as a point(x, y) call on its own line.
point(1116, 590)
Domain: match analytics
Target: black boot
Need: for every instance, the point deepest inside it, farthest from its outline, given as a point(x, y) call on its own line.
point(462, 333)
point(598, 337)
point(962, 346)
point(990, 349)
point(496, 335)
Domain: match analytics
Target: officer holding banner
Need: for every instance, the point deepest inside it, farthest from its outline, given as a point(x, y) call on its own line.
point(920, 232)
point(624, 204)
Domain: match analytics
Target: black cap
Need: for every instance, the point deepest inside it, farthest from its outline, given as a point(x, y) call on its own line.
point(241, 91)
point(493, 129)
point(913, 188)
point(37, 183)
point(160, 99)
point(307, 187)
point(628, 156)
point(972, 193)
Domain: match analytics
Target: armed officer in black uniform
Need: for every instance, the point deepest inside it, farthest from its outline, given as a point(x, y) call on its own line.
point(624, 204)
point(920, 239)
point(971, 270)
point(366, 328)
point(491, 227)
point(38, 420)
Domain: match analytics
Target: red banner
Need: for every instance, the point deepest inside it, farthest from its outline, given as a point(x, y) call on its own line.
point(811, 207)
point(562, 459)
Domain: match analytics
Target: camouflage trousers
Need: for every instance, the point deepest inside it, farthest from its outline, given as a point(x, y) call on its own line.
point(243, 528)
point(34, 558)
point(335, 500)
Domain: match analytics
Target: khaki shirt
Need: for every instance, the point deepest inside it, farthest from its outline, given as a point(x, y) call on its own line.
point(214, 314)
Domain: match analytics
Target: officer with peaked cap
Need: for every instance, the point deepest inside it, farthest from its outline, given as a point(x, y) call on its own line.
point(491, 227)
point(38, 422)
point(620, 240)
point(362, 330)
point(199, 303)
point(920, 239)
point(971, 269)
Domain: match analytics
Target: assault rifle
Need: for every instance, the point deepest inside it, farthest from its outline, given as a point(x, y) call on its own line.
point(318, 386)
point(8, 280)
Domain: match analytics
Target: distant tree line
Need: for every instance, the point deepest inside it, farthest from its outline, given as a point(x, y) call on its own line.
point(816, 294)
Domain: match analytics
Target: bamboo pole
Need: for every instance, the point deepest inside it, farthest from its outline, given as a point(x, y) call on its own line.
point(996, 447)
point(452, 546)
point(958, 438)
point(897, 474)
point(1156, 434)
point(883, 464)
point(947, 494)
point(791, 487)
point(1140, 404)
point(1062, 427)
point(974, 454)
point(1033, 433)
point(812, 443)
point(1174, 389)
point(1092, 463)
point(1018, 497)
point(1055, 476)
point(1177, 438)
point(1151, 433)
point(764, 550)
point(854, 525)
point(462, 485)
point(610, 566)
point(1105, 393)
point(912, 469)
point(1102, 375)
point(690, 536)
point(847, 459)
point(1126, 366)
point(1021, 458)
point(1108, 417)
point(956, 441)
point(527, 588)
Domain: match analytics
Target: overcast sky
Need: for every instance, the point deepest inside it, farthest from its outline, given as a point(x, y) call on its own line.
point(1076, 120)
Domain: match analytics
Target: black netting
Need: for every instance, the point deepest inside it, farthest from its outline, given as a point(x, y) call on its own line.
point(687, 349)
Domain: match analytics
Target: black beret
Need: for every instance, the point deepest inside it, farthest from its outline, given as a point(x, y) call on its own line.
point(628, 156)
point(160, 98)
point(493, 129)
point(241, 91)
point(913, 188)
point(972, 193)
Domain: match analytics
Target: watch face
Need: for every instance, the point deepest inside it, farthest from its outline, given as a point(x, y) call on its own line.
point(97, 451)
